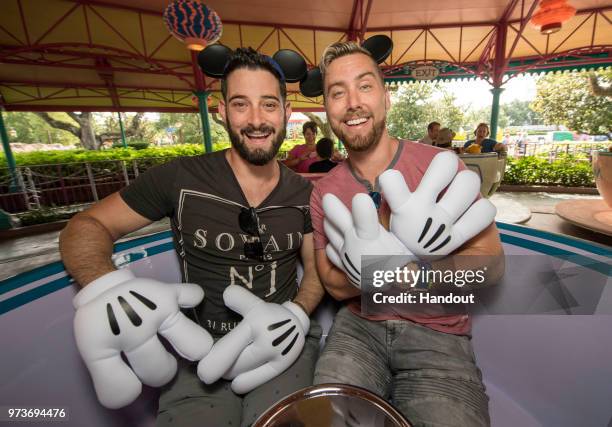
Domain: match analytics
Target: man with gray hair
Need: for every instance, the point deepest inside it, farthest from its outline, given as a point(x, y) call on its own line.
point(423, 364)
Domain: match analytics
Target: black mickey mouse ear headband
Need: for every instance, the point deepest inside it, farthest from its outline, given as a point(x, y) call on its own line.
point(290, 65)
point(379, 46)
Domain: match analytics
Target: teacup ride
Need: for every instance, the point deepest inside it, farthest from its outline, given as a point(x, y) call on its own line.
point(594, 215)
point(551, 368)
point(490, 168)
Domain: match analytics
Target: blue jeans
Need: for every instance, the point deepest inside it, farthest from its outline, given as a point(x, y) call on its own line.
point(429, 376)
point(188, 402)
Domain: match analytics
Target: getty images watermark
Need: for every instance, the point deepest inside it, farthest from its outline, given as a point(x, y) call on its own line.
point(467, 284)
point(422, 277)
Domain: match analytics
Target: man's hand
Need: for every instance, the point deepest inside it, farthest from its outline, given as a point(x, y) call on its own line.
point(353, 235)
point(267, 341)
point(122, 313)
point(436, 228)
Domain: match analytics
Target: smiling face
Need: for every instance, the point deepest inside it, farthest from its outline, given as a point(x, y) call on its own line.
point(356, 101)
point(310, 136)
point(255, 115)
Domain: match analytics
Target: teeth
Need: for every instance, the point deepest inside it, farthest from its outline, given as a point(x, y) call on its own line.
point(257, 135)
point(355, 122)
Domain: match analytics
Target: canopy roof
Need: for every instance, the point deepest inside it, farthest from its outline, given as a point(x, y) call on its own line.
point(117, 55)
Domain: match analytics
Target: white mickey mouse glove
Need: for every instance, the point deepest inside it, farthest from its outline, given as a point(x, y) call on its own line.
point(353, 235)
point(122, 313)
point(431, 228)
point(265, 343)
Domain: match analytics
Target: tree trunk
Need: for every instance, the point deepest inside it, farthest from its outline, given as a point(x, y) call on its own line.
point(87, 134)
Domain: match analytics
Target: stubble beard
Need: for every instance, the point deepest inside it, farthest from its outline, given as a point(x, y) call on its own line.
point(361, 143)
point(257, 156)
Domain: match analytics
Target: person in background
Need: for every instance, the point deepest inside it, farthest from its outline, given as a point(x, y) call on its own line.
point(482, 144)
point(325, 148)
point(445, 138)
point(432, 134)
point(302, 156)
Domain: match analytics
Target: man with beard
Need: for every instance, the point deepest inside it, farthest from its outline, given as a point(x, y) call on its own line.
point(424, 364)
point(238, 217)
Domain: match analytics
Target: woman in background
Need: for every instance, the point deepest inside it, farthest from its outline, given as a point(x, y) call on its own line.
point(482, 144)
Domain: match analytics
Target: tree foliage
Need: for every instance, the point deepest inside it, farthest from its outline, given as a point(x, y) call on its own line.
point(186, 128)
point(83, 125)
point(28, 128)
point(519, 113)
point(568, 99)
point(414, 106)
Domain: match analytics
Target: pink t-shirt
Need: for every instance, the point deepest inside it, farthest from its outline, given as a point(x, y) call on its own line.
point(300, 150)
point(412, 160)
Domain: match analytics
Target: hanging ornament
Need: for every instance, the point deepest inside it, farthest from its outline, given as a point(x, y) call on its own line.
point(193, 23)
point(552, 14)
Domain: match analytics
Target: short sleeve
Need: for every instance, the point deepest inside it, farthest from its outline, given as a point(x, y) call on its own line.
point(316, 212)
point(295, 151)
point(151, 193)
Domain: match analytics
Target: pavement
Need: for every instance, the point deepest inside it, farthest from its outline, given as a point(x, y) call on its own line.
point(536, 210)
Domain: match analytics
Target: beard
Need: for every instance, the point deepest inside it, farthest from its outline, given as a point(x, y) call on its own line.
point(256, 156)
point(360, 142)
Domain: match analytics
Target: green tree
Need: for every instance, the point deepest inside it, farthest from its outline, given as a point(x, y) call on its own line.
point(83, 126)
point(519, 113)
point(29, 128)
point(414, 106)
point(141, 129)
point(483, 115)
point(187, 128)
point(567, 99)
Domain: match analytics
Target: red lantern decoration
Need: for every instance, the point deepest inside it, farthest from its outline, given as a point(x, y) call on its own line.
point(209, 101)
point(551, 15)
point(193, 23)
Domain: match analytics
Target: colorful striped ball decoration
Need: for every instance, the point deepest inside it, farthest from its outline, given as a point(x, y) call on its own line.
point(193, 23)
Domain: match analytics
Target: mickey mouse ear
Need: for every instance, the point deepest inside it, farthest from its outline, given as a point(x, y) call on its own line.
point(312, 85)
point(293, 65)
point(379, 46)
point(213, 60)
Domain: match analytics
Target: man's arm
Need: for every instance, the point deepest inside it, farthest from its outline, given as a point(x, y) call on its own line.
point(334, 280)
point(483, 250)
point(293, 160)
point(500, 148)
point(86, 243)
point(311, 291)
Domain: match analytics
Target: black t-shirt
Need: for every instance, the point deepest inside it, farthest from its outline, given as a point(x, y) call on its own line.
point(203, 199)
point(322, 166)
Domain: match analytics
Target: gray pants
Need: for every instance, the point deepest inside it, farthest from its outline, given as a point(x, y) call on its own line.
point(186, 401)
point(429, 376)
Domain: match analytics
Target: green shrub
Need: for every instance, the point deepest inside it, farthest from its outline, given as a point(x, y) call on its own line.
point(567, 170)
point(43, 216)
point(136, 145)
